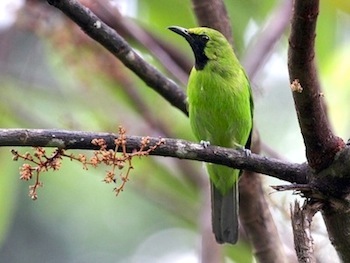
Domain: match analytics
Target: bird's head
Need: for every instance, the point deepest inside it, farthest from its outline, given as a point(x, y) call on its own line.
point(206, 43)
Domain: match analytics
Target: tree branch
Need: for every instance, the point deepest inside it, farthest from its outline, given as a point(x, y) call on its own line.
point(210, 250)
point(291, 172)
point(213, 13)
point(218, 19)
point(113, 18)
point(260, 227)
point(338, 226)
point(268, 248)
point(113, 42)
point(321, 144)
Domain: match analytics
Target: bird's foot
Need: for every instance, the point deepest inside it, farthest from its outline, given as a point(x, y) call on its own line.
point(205, 144)
point(247, 152)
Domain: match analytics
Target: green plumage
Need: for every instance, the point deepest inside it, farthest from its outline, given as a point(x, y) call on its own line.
point(221, 112)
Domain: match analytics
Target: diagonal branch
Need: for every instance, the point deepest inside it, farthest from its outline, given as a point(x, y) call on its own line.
point(113, 42)
point(257, 221)
point(338, 227)
point(213, 13)
point(325, 152)
point(291, 172)
point(321, 144)
point(113, 18)
point(267, 249)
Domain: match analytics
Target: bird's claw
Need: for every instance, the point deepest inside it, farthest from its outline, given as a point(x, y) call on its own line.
point(205, 144)
point(247, 152)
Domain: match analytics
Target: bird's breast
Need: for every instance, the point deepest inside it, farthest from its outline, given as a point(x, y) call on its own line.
point(218, 106)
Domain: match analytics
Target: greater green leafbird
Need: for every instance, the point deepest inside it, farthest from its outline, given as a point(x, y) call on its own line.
point(221, 113)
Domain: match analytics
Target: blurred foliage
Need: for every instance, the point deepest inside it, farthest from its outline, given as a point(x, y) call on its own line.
point(52, 76)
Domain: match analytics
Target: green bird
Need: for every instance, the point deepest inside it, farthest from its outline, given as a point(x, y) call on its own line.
point(221, 113)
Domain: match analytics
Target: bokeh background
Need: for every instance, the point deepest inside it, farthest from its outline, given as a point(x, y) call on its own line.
point(53, 76)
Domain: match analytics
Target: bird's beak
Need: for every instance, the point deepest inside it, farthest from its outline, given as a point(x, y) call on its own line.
point(182, 32)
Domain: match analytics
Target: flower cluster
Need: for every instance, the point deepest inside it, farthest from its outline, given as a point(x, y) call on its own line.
point(40, 162)
point(116, 159)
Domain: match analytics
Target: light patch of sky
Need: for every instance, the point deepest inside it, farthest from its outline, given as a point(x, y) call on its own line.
point(8, 9)
point(126, 7)
point(250, 33)
point(174, 245)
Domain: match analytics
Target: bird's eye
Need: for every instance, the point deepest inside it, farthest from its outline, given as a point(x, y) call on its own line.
point(204, 37)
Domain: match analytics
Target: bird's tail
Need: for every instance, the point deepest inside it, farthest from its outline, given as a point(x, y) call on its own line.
point(225, 210)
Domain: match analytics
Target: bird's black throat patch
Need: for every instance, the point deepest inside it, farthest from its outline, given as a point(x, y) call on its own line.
point(198, 44)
